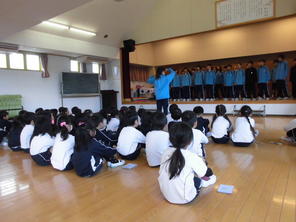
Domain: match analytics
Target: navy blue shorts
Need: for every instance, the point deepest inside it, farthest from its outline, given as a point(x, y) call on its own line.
point(42, 159)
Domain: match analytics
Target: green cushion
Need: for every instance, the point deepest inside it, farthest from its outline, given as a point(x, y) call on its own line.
point(8, 102)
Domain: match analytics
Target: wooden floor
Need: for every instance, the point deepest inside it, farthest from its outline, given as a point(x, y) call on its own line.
point(264, 177)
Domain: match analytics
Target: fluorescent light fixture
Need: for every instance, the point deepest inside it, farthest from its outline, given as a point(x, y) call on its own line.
point(55, 25)
point(82, 31)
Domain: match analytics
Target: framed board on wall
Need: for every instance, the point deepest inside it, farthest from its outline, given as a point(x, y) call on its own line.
point(235, 12)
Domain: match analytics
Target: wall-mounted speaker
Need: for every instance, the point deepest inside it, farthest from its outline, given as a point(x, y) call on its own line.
point(129, 45)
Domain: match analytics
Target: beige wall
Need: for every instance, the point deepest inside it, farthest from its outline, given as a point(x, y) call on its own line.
point(171, 18)
point(254, 39)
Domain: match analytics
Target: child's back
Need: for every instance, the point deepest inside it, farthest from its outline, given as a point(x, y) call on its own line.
point(62, 151)
point(25, 136)
point(242, 132)
point(220, 127)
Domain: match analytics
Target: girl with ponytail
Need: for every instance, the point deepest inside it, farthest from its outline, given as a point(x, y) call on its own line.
point(63, 147)
point(244, 134)
point(221, 126)
point(179, 167)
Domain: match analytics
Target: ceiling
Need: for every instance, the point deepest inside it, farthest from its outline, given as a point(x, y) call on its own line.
point(116, 18)
point(18, 15)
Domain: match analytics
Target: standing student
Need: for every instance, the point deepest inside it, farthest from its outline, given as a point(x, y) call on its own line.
point(14, 142)
point(42, 139)
point(176, 87)
point(219, 83)
point(209, 79)
point(202, 123)
point(228, 82)
point(281, 75)
point(244, 133)
point(4, 125)
point(273, 79)
point(86, 159)
point(198, 83)
point(293, 78)
point(27, 131)
point(130, 140)
point(157, 140)
point(199, 139)
point(186, 82)
point(263, 79)
point(63, 147)
point(239, 82)
point(221, 126)
point(161, 82)
point(113, 120)
point(181, 171)
point(251, 81)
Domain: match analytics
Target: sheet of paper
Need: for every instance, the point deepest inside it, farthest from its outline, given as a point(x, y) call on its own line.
point(228, 189)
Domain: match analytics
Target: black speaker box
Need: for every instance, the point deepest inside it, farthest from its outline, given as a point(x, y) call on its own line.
point(129, 45)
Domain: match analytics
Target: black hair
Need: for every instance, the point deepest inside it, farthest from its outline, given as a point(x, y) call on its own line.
point(76, 111)
point(251, 62)
point(275, 61)
point(221, 111)
point(246, 111)
point(62, 122)
point(38, 110)
point(17, 123)
point(146, 123)
point(189, 117)
point(97, 118)
point(159, 121)
point(28, 117)
point(63, 110)
point(172, 107)
point(43, 125)
point(133, 108)
point(159, 71)
point(3, 113)
point(281, 56)
point(82, 135)
point(54, 112)
point(141, 112)
point(181, 136)
point(88, 113)
point(176, 114)
point(198, 110)
point(130, 118)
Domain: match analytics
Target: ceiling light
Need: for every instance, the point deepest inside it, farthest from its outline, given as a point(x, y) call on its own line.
point(82, 31)
point(55, 25)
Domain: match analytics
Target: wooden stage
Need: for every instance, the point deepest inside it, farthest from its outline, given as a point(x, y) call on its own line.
point(264, 176)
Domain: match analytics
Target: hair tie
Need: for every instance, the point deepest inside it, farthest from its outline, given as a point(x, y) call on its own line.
point(81, 123)
point(63, 124)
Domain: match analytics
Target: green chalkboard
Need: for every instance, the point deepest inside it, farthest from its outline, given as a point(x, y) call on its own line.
point(80, 84)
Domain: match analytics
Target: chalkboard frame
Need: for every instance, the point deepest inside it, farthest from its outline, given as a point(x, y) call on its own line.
point(80, 94)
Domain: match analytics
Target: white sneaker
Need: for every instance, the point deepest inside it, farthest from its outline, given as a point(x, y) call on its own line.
point(286, 97)
point(211, 181)
point(4, 144)
point(114, 165)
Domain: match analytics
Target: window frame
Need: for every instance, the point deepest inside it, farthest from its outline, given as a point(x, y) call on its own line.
point(78, 64)
point(8, 67)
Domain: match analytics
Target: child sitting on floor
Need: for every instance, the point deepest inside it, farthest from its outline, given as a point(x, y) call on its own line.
point(202, 123)
point(181, 171)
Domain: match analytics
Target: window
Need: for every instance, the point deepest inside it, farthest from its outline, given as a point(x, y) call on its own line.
point(95, 67)
point(74, 66)
point(33, 62)
point(3, 61)
point(16, 61)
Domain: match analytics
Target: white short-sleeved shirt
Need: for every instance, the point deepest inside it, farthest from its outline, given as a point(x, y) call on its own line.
point(198, 139)
point(157, 141)
point(220, 127)
point(242, 132)
point(113, 125)
point(26, 135)
point(128, 140)
point(180, 189)
point(62, 151)
point(41, 144)
point(291, 125)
